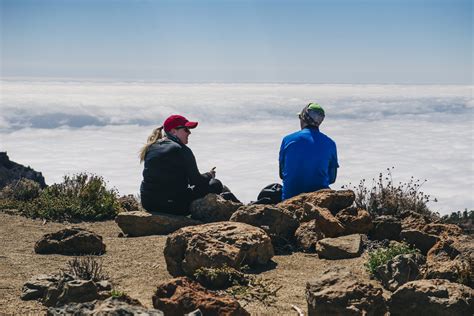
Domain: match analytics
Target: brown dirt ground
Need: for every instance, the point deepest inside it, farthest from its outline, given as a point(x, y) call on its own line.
point(136, 266)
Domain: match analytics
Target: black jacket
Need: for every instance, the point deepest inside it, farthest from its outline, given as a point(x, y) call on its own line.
point(170, 168)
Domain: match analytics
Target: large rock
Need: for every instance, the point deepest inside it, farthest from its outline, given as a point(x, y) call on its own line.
point(64, 288)
point(307, 235)
point(418, 239)
point(216, 245)
point(182, 295)
point(445, 231)
point(386, 227)
point(400, 270)
point(446, 262)
point(355, 220)
point(278, 223)
point(432, 297)
point(11, 171)
point(140, 223)
point(344, 247)
point(37, 286)
point(333, 200)
point(213, 208)
point(414, 220)
point(340, 293)
point(329, 225)
point(71, 241)
point(110, 306)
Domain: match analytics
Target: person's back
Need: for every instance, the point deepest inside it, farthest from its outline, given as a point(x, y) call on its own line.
point(308, 158)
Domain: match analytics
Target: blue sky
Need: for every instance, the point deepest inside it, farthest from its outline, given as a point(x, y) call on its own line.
point(378, 41)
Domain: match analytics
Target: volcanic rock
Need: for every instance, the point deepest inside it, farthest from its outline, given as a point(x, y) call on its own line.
point(278, 223)
point(213, 208)
point(182, 295)
point(344, 247)
point(341, 293)
point(355, 220)
point(334, 201)
point(386, 227)
point(418, 239)
point(307, 235)
point(140, 223)
point(71, 241)
point(216, 245)
point(432, 297)
point(400, 270)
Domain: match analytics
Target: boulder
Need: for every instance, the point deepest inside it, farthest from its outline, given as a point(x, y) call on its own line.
point(333, 200)
point(141, 223)
point(216, 245)
point(182, 295)
point(400, 270)
point(418, 239)
point(11, 171)
point(341, 293)
point(355, 220)
point(37, 286)
point(413, 220)
point(386, 227)
point(213, 208)
point(446, 262)
point(432, 297)
point(278, 223)
point(329, 225)
point(445, 231)
point(344, 247)
point(71, 241)
point(78, 291)
point(307, 235)
point(110, 306)
point(129, 203)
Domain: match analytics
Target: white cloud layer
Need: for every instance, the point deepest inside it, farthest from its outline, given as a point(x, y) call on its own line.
point(423, 131)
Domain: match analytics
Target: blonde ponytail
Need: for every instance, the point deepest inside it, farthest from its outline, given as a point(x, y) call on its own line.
point(155, 136)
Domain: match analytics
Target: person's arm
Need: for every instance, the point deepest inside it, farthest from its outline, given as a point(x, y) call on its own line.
point(281, 159)
point(333, 165)
point(192, 171)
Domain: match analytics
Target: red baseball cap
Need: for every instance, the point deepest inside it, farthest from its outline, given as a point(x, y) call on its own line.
point(177, 121)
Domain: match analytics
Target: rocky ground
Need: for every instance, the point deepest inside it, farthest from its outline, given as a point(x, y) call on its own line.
point(136, 266)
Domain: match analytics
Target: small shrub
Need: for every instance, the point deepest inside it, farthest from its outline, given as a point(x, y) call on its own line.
point(381, 256)
point(257, 290)
point(80, 197)
point(21, 190)
point(86, 268)
point(221, 277)
point(385, 197)
point(117, 294)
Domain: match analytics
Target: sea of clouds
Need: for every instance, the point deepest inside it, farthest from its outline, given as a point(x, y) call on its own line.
point(424, 131)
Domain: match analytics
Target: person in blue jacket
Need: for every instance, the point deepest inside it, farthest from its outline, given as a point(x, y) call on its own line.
point(308, 158)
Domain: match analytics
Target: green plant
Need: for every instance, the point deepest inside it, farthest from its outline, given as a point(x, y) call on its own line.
point(220, 277)
point(79, 197)
point(386, 197)
point(21, 190)
point(381, 256)
point(86, 268)
point(117, 294)
point(257, 290)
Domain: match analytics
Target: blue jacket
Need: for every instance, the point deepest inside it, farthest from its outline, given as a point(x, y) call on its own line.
point(308, 162)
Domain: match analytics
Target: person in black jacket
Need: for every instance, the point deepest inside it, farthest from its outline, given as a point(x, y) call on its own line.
point(171, 178)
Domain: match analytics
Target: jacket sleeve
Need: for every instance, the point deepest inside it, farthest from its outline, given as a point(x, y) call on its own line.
point(192, 171)
point(281, 159)
point(333, 165)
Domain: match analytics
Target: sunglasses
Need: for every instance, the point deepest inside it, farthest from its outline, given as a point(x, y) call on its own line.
point(185, 129)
